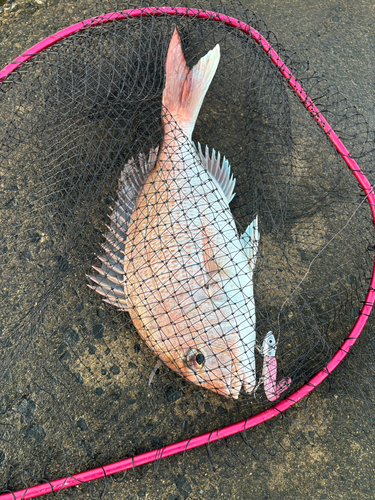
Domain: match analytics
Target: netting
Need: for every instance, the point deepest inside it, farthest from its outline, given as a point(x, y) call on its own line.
point(242, 265)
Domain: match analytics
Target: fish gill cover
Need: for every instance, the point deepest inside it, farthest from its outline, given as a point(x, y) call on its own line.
point(241, 265)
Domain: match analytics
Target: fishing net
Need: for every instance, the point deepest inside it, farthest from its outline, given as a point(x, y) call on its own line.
point(245, 292)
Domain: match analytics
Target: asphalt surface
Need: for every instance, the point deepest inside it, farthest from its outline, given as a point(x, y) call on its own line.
point(338, 40)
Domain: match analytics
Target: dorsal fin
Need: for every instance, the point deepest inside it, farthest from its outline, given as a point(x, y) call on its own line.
point(221, 174)
point(110, 280)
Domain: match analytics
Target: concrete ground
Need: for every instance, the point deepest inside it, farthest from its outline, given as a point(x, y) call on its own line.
point(337, 37)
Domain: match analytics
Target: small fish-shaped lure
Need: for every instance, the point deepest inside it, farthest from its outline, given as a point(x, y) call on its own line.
point(173, 258)
point(272, 388)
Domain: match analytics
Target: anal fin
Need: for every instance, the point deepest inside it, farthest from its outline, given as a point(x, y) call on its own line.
point(220, 171)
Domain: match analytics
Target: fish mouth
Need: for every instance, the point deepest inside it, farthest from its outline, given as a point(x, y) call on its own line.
point(228, 391)
point(224, 386)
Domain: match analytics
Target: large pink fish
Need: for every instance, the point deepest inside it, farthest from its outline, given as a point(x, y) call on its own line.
point(173, 258)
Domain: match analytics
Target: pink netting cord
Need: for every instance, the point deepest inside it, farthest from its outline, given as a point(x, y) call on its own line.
point(282, 406)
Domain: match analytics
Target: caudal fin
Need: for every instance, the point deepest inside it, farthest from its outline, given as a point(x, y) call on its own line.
point(185, 89)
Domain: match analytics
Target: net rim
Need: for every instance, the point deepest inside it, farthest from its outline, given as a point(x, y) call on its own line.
point(350, 340)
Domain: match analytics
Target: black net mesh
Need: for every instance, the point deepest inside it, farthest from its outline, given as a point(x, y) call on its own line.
point(95, 171)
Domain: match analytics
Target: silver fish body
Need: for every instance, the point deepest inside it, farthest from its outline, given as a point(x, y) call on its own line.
point(173, 257)
point(188, 279)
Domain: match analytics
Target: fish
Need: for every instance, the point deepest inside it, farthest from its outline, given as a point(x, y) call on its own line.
point(173, 258)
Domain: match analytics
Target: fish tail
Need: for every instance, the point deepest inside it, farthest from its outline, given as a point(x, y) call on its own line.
point(185, 89)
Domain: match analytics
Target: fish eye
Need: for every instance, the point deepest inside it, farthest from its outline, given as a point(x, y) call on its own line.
point(199, 358)
point(195, 359)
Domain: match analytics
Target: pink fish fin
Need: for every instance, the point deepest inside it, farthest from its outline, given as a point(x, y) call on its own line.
point(216, 262)
point(210, 245)
point(132, 180)
point(110, 281)
point(215, 254)
point(185, 89)
point(220, 171)
point(213, 262)
point(273, 389)
point(113, 297)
